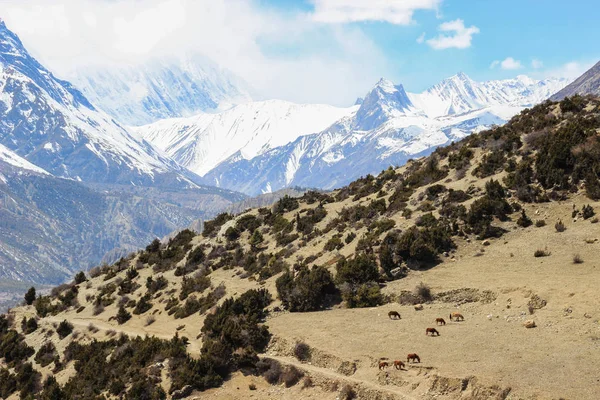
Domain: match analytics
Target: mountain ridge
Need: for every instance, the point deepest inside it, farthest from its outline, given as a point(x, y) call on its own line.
point(587, 83)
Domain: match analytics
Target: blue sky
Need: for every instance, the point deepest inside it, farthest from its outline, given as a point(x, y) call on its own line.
point(319, 51)
point(544, 38)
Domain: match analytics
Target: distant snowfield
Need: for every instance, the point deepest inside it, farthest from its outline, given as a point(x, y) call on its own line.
point(202, 142)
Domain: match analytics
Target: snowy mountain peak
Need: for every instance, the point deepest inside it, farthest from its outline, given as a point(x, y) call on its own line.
point(203, 141)
point(383, 102)
point(52, 125)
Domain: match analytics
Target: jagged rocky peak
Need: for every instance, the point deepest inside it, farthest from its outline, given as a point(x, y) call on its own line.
point(384, 101)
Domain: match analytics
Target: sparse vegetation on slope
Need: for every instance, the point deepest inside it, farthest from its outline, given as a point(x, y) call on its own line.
point(351, 248)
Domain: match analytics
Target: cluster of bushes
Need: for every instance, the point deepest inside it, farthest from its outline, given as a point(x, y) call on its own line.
point(483, 210)
point(212, 227)
point(121, 366)
point(415, 245)
point(200, 305)
point(163, 258)
point(198, 283)
point(306, 223)
point(308, 289)
point(357, 279)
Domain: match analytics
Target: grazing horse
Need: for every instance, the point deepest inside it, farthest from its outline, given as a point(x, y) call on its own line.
point(440, 321)
point(413, 357)
point(398, 364)
point(433, 332)
point(383, 364)
point(456, 317)
point(394, 315)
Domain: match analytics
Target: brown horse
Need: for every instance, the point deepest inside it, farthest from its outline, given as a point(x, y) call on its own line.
point(394, 315)
point(433, 332)
point(413, 357)
point(383, 364)
point(440, 321)
point(456, 317)
point(398, 364)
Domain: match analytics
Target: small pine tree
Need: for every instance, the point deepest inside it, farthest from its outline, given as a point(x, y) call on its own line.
point(524, 221)
point(64, 329)
point(122, 315)
point(256, 239)
point(30, 296)
point(80, 278)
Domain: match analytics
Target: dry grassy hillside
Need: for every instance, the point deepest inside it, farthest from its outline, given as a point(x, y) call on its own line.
point(292, 301)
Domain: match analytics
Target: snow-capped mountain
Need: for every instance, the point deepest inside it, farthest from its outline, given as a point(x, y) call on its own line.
point(52, 125)
point(390, 127)
point(202, 142)
point(161, 88)
point(459, 94)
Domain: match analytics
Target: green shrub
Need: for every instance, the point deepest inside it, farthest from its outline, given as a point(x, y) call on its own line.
point(587, 212)
point(524, 221)
point(143, 305)
point(248, 223)
point(122, 315)
point(335, 243)
point(309, 290)
point(285, 204)
point(64, 329)
point(350, 237)
point(232, 234)
point(80, 278)
point(29, 325)
point(302, 351)
point(155, 285)
point(46, 354)
point(30, 296)
point(541, 253)
point(363, 295)
point(361, 269)
point(212, 227)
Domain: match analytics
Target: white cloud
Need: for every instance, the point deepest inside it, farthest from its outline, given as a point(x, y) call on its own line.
point(508, 63)
point(237, 34)
point(459, 38)
point(399, 12)
point(536, 64)
point(570, 70)
point(421, 38)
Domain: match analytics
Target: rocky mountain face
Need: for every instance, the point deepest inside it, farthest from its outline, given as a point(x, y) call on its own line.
point(75, 186)
point(390, 127)
point(588, 83)
point(51, 124)
point(50, 227)
point(157, 89)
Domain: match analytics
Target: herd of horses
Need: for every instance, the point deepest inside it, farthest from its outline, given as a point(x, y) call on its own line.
point(413, 357)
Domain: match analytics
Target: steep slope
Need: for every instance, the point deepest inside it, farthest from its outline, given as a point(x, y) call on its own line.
point(389, 128)
point(51, 227)
point(201, 142)
point(588, 83)
point(302, 295)
point(157, 89)
point(52, 125)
